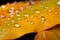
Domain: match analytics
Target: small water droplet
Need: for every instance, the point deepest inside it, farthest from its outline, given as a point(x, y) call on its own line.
point(11, 11)
point(53, 8)
point(8, 18)
point(17, 11)
point(49, 10)
point(21, 8)
point(43, 19)
point(8, 24)
point(3, 6)
point(2, 16)
point(17, 25)
point(18, 15)
point(12, 8)
point(31, 22)
point(26, 15)
point(11, 15)
point(18, 18)
point(46, 7)
point(37, 12)
point(26, 20)
point(32, 16)
point(13, 21)
point(56, 13)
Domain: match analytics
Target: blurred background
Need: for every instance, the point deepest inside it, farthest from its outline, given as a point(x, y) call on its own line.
point(10, 1)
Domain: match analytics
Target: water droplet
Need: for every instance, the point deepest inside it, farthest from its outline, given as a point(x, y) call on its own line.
point(37, 12)
point(46, 7)
point(11, 11)
point(17, 11)
point(31, 22)
point(49, 10)
point(26, 20)
point(8, 24)
point(18, 18)
point(8, 18)
point(26, 15)
point(17, 25)
point(2, 16)
point(12, 8)
point(32, 16)
point(56, 13)
point(53, 8)
point(13, 21)
point(18, 15)
point(43, 19)
point(21, 8)
point(11, 15)
point(3, 6)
